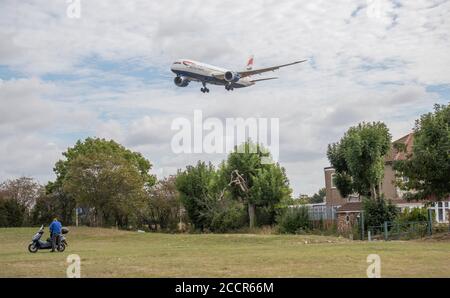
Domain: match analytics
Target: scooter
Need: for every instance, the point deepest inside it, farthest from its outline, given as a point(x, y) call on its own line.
point(37, 244)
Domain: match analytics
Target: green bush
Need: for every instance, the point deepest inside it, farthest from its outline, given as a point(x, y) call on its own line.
point(414, 214)
point(233, 217)
point(377, 211)
point(294, 220)
point(265, 215)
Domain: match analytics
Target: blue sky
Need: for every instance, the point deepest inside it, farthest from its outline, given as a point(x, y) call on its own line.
point(106, 74)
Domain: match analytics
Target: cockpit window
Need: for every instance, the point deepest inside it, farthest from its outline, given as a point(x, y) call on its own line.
point(177, 62)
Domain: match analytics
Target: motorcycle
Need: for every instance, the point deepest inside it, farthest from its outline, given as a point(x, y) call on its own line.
point(37, 243)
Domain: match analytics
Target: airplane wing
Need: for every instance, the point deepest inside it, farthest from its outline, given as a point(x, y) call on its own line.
point(247, 73)
point(192, 79)
point(265, 79)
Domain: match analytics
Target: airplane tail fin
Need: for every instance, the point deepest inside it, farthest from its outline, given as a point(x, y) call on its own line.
point(250, 63)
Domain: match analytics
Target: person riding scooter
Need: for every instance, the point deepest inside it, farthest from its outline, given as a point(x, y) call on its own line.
point(55, 233)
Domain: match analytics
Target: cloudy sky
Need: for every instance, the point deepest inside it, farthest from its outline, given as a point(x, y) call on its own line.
point(106, 74)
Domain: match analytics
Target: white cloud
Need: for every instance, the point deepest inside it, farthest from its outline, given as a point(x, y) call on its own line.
point(28, 155)
point(79, 76)
point(21, 106)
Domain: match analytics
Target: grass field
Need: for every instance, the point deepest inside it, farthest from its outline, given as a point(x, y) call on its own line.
point(111, 253)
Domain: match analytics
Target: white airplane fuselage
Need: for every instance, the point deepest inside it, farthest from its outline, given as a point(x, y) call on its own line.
point(202, 72)
point(187, 70)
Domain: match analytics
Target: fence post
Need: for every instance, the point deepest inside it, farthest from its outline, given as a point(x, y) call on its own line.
point(385, 230)
point(430, 222)
point(369, 236)
point(362, 226)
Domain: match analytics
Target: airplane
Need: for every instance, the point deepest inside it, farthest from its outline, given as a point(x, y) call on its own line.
point(187, 70)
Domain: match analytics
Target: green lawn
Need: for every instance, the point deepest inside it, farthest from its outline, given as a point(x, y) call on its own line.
point(111, 253)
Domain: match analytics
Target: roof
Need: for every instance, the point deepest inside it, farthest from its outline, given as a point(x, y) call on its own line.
point(358, 206)
point(394, 154)
point(351, 207)
point(405, 202)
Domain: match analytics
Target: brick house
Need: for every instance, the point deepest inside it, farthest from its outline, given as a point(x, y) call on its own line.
point(348, 208)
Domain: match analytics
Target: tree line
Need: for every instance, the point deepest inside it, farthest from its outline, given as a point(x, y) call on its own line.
point(106, 184)
point(101, 183)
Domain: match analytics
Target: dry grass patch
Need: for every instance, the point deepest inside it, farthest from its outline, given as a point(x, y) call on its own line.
point(112, 253)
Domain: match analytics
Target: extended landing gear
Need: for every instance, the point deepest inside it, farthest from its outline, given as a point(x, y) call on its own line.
point(204, 89)
point(229, 88)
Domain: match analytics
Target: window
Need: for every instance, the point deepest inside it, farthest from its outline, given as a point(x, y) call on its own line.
point(347, 219)
point(441, 211)
point(440, 215)
point(332, 180)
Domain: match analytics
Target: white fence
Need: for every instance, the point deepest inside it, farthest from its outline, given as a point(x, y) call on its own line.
point(319, 211)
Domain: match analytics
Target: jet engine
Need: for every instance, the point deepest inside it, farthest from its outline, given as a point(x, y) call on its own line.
point(231, 76)
point(181, 81)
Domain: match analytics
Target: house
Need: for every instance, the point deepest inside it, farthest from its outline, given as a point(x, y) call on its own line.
point(349, 208)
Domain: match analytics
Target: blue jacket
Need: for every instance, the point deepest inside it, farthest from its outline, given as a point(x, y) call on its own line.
point(55, 227)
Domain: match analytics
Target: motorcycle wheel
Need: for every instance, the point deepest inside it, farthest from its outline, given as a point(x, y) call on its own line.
point(61, 247)
point(32, 248)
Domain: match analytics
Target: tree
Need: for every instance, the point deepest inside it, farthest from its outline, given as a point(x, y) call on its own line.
point(198, 192)
point(270, 191)
point(164, 207)
point(427, 167)
point(102, 146)
point(216, 199)
point(45, 209)
point(23, 190)
point(203, 191)
point(60, 203)
point(262, 185)
point(318, 197)
point(294, 220)
point(109, 184)
point(12, 213)
point(376, 212)
point(79, 156)
point(20, 196)
point(358, 159)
